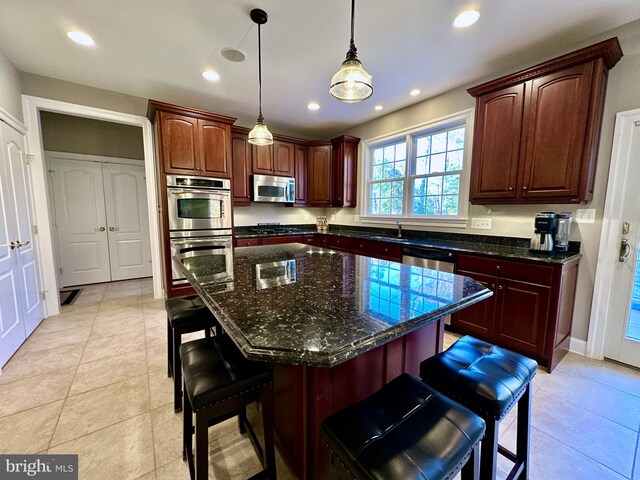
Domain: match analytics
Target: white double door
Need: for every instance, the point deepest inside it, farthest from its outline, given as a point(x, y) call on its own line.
point(21, 307)
point(101, 220)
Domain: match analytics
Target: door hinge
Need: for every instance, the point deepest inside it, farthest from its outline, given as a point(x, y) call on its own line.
point(51, 172)
point(34, 229)
point(27, 158)
point(60, 270)
point(43, 295)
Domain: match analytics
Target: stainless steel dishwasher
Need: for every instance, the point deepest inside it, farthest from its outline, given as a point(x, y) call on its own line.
point(432, 258)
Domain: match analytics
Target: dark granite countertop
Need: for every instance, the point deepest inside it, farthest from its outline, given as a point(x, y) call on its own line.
point(488, 245)
point(301, 304)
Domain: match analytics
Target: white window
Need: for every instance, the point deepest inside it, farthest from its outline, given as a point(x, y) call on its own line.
point(419, 175)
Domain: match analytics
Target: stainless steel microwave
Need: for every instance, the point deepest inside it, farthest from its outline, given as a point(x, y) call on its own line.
point(267, 188)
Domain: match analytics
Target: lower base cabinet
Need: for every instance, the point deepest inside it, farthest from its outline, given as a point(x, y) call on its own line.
point(530, 311)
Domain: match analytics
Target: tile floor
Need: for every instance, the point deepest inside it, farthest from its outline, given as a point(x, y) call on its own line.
point(93, 381)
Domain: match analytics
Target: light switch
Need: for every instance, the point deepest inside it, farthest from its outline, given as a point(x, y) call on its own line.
point(586, 215)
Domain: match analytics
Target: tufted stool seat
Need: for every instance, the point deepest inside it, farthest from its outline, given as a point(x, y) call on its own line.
point(489, 380)
point(219, 382)
point(184, 315)
point(406, 430)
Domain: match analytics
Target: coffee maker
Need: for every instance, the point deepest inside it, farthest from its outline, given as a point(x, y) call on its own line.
point(545, 232)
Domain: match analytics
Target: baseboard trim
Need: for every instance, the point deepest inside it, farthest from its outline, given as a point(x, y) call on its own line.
point(578, 346)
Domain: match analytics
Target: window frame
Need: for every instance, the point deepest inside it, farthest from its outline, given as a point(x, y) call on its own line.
point(409, 135)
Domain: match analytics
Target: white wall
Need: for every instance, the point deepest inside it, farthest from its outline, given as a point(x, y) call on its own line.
point(623, 93)
point(10, 99)
point(274, 213)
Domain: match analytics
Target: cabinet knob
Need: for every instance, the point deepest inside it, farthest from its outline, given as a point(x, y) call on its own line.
point(497, 267)
point(510, 189)
point(499, 287)
point(524, 188)
point(493, 285)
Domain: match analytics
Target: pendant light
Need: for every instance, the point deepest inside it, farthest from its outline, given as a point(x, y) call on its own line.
point(260, 135)
point(351, 83)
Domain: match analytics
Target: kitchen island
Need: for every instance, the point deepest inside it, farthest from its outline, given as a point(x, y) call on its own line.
point(336, 327)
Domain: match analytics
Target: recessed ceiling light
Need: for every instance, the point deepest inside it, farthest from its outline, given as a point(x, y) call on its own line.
point(466, 19)
point(211, 75)
point(415, 92)
point(313, 106)
point(81, 38)
point(378, 107)
point(233, 55)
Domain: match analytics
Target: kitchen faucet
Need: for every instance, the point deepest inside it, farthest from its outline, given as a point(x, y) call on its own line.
point(399, 229)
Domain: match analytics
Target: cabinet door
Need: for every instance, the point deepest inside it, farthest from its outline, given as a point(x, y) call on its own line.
point(241, 168)
point(248, 242)
point(301, 176)
point(339, 243)
point(215, 149)
point(555, 126)
point(522, 314)
point(180, 152)
point(337, 176)
point(478, 319)
point(283, 239)
point(283, 158)
point(350, 174)
point(262, 159)
point(496, 144)
point(319, 176)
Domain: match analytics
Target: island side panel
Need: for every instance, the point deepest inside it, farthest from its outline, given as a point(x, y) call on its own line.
point(304, 396)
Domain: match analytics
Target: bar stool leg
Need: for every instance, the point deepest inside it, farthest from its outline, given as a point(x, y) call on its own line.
point(169, 348)
point(523, 432)
point(269, 458)
point(187, 427)
point(177, 372)
point(242, 418)
point(202, 447)
point(471, 469)
point(489, 451)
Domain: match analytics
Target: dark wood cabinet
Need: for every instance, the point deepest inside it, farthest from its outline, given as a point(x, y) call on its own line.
point(283, 239)
point(300, 170)
point(262, 159)
point(531, 310)
point(345, 171)
point(276, 159)
point(319, 176)
point(241, 169)
point(195, 146)
point(537, 131)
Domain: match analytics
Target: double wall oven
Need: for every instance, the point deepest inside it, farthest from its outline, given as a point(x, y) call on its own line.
point(199, 218)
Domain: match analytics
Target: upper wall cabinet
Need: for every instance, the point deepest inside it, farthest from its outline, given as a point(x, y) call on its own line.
point(192, 142)
point(319, 176)
point(537, 131)
point(345, 171)
point(276, 159)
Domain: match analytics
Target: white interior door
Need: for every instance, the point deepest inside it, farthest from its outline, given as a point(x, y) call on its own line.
point(80, 221)
point(12, 329)
point(622, 335)
point(18, 173)
point(125, 196)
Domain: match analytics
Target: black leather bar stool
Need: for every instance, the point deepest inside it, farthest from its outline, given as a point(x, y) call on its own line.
point(490, 381)
point(219, 382)
point(184, 315)
point(406, 430)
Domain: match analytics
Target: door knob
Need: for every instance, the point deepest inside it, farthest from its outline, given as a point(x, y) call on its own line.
point(113, 229)
point(19, 244)
point(625, 248)
point(11, 245)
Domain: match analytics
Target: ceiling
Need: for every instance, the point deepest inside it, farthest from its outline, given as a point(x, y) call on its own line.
point(159, 48)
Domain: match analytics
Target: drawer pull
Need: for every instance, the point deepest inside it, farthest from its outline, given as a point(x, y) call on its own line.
point(499, 287)
point(497, 267)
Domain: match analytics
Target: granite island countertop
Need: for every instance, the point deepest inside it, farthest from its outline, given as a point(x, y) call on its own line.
point(486, 245)
point(300, 304)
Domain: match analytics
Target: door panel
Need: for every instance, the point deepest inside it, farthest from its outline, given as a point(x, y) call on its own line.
point(283, 158)
point(478, 319)
point(26, 255)
point(319, 176)
point(80, 216)
point(127, 220)
point(214, 141)
point(262, 159)
point(179, 143)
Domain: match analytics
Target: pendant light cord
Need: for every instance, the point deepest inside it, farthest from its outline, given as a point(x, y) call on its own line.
point(260, 118)
point(352, 54)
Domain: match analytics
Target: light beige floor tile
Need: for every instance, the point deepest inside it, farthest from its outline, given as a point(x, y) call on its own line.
point(160, 387)
point(96, 409)
point(157, 357)
point(156, 335)
point(111, 346)
point(60, 323)
point(554, 460)
point(605, 441)
point(155, 319)
point(608, 402)
point(167, 434)
point(32, 392)
point(232, 457)
point(608, 373)
point(148, 476)
point(107, 327)
point(123, 451)
point(39, 342)
point(25, 364)
point(175, 470)
point(29, 431)
point(109, 370)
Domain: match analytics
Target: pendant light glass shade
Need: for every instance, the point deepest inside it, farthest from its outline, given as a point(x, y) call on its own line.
point(260, 135)
point(351, 83)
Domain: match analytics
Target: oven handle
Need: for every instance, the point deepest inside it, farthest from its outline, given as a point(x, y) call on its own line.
point(215, 241)
point(180, 191)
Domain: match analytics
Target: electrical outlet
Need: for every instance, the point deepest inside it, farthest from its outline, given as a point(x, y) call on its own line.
point(333, 217)
point(356, 218)
point(586, 215)
point(481, 223)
